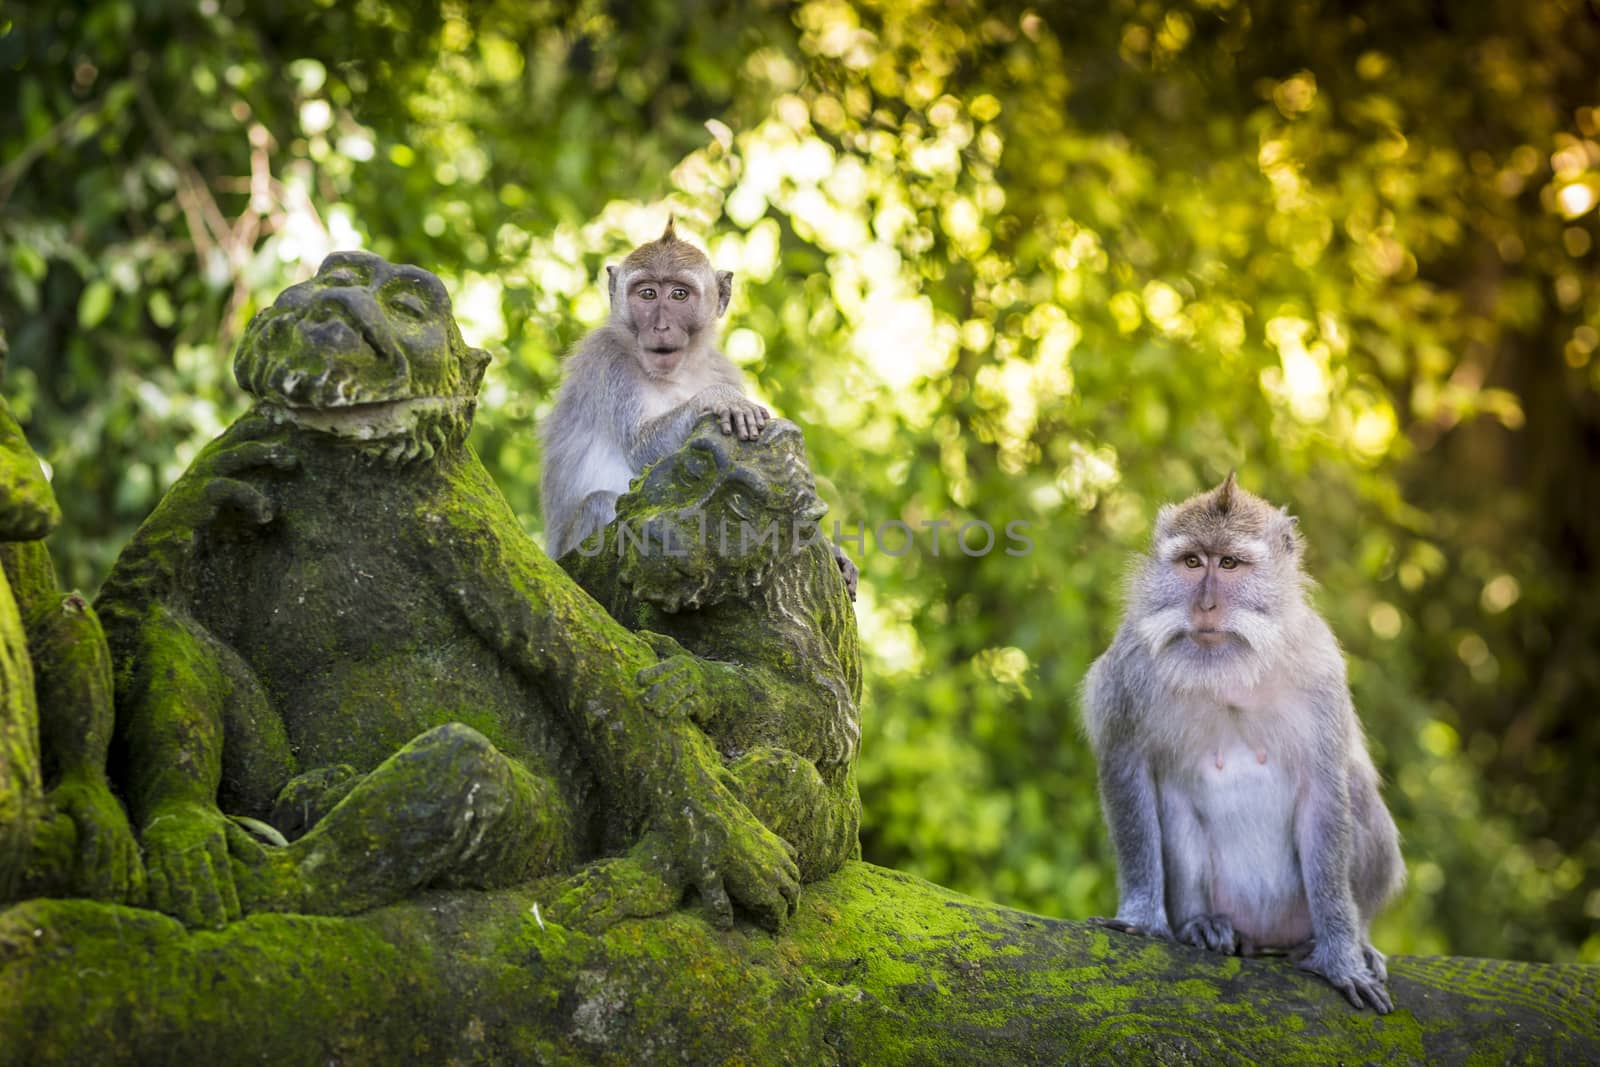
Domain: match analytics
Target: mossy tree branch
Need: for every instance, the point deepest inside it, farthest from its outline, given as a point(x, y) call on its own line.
point(878, 967)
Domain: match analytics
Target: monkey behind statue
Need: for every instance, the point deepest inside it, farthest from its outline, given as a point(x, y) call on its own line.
point(636, 385)
point(1235, 781)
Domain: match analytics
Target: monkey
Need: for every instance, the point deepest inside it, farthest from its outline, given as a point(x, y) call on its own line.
point(635, 386)
point(1242, 804)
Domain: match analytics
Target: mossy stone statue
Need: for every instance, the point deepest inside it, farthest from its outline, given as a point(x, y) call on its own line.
point(345, 673)
point(62, 833)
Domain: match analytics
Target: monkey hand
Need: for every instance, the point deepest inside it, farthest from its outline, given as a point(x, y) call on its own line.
point(739, 414)
point(726, 854)
point(187, 864)
point(1214, 933)
point(106, 865)
point(1351, 969)
point(847, 569)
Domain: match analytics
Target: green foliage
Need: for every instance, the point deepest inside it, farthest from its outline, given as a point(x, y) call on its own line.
point(1004, 264)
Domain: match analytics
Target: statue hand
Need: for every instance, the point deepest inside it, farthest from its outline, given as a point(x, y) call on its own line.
point(187, 864)
point(639, 885)
point(727, 854)
point(228, 496)
point(107, 863)
point(677, 686)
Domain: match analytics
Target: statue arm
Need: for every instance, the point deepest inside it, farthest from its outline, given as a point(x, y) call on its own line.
point(652, 770)
point(171, 691)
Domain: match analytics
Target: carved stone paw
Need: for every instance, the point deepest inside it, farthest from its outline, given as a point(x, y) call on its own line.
point(230, 501)
point(106, 864)
point(187, 864)
point(1214, 933)
point(672, 687)
point(727, 855)
point(596, 898)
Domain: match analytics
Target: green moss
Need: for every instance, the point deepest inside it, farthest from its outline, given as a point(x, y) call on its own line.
point(875, 967)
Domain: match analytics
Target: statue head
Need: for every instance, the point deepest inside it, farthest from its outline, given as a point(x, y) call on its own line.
point(367, 351)
point(713, 519)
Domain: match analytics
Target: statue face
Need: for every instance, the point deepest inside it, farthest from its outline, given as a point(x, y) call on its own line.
point(711, 520)
point(367, 349)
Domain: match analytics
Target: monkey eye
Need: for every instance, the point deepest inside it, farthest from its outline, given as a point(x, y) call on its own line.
point(647, 293)
point(1191, 561)
point(1227, 563)
point(680, 293)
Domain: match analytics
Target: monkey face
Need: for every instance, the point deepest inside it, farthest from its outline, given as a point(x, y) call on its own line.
point(667, 295)
point(712, 520)
point(668, 313)
point(1222, 575)
point(365, 349)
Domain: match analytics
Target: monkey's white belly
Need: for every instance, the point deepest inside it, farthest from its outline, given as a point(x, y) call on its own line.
point(1251, 871)
point(603, 469)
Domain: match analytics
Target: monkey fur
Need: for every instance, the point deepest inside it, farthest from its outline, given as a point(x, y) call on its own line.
point(1234, 777)
point(635, 386)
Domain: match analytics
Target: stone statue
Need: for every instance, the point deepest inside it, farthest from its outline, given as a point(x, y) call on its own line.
point(345, 673)
point(715, 558)
point(61, 831)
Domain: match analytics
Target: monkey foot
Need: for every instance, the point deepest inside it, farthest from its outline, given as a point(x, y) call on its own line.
point(1211, 932)
point(1140, 929)
point(1360, 978)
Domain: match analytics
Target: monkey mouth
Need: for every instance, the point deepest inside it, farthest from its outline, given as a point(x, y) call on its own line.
point(369, 421)
point(1210, 638)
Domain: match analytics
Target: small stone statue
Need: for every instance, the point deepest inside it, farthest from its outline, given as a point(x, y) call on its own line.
point(62, 833)
point(345, 673)
point(716, 559)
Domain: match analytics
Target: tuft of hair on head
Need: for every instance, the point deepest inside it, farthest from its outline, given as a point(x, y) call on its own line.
point(671, 232)
point(1224, 499)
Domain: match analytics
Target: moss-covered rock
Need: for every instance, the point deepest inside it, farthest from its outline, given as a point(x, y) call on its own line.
point(876, 967)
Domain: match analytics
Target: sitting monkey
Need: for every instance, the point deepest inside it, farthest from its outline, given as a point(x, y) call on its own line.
point(1240, 797)
point(635, 386)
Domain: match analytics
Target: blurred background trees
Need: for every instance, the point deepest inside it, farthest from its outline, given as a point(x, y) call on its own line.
point(1055, 264)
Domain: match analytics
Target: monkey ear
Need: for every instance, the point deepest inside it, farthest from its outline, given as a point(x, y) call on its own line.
point(611, 283)
point(1164, 518)
point(1293, 542)
point(724, 290)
